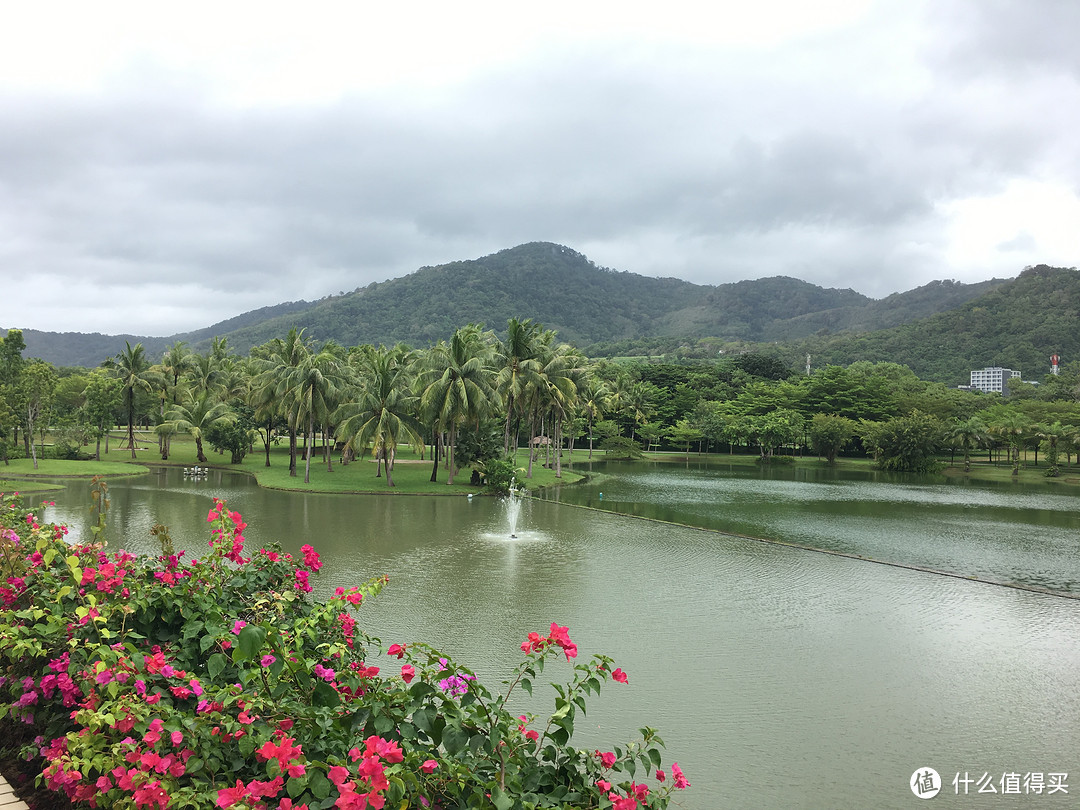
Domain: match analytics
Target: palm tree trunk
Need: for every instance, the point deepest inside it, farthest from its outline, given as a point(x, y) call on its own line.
point(390, 469)
point(198, 449)
point(309, 440)
point(435, 441)
point(558, 452)
point(450, 453)
point(292, 451)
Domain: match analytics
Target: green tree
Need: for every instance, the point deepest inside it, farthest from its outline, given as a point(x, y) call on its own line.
point(967, 434)
point(102, 396)
point(315, 383)
point(518, 368)
point(382, 415)
point(458, 387)
point(195, 415)
point(274, 386)
point(135, 374)
point(684, 432)
point(38, 385)
point(829, 434)
point(904, 443)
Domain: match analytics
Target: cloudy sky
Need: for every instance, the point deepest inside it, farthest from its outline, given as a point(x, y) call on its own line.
point(166, 166)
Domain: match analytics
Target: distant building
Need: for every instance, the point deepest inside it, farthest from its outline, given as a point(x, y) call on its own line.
point(992, 379)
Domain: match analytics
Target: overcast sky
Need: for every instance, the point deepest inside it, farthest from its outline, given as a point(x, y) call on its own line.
point(166, 166)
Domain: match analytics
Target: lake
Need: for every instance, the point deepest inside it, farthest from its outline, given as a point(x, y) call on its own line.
point(779, 677)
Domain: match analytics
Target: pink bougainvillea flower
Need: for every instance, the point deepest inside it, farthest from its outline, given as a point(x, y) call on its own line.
point(620, 676)
point(266, 660)
point(396, 650)
point(238, 625)
point(227, 797)
point(604, 785)
point(338, 774)
point(607, 759)
point(429, 765)
point(660, 775)
point(407, 673)
point(677, 777)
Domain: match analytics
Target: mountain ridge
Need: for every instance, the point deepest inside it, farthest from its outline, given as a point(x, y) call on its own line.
point(554, 285)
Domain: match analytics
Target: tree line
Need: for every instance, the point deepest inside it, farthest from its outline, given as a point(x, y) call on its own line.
point(473, 398)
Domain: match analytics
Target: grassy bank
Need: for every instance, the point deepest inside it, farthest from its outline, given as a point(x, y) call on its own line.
point(411, 473)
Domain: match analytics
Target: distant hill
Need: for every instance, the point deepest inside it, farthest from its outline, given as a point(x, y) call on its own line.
point(1017, 324)
point(556, 286)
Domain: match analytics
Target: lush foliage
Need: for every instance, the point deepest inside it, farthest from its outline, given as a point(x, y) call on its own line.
point(165, 682)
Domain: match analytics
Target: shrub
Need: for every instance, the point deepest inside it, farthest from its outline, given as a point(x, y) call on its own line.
point(160, 682)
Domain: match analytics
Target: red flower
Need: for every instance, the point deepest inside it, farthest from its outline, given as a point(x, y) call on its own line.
point(227, 797)
point(407, 673)
point(396, 650)
point(429, 765)
point(606, 759)
point(619, 675)
point(677, 777)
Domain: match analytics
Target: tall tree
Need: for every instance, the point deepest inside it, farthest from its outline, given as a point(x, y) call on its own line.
point(103, 395)
point(315, 382)
point(38, 385)
point(135, 374)
point(967, 434)
point(458, 387)
point(517, 368)
point(382, 414)
point(275, 383)
point(195, 415)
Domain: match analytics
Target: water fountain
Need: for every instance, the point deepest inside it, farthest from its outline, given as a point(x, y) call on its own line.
point(513, 507)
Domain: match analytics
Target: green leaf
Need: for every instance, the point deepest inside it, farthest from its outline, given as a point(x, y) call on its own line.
point(422, 718)
point(215, 664)
point(297, 785)
point(526, 685)
point(250, 642)
point(324, 695)
point(319, 785)
point(500, 799)
point(454, 740)
point(654, 755)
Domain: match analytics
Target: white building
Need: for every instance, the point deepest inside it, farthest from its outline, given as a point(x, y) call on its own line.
point(992, 379)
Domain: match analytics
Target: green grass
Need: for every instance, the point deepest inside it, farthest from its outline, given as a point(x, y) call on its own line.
point(411, 474)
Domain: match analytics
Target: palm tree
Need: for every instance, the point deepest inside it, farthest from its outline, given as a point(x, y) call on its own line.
point(176, 362)
point(967, 434)
point(1052, 434)
point(382, 413)
point(518, 367)
point(195, 415)
point(458, 389)
point(277, 361)
point(595, 401)
point(1013, 428)
point(315, 383)
point(133, 369)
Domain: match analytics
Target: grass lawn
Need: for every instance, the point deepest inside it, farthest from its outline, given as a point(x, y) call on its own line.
point(411, 474)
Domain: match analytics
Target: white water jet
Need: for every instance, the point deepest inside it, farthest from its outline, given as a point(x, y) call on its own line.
point(513, 508)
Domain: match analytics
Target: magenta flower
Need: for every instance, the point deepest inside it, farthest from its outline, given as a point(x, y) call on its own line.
point(619, 675)
point(407, 673)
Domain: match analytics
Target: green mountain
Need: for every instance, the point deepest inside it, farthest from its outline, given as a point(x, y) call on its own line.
point(556, 286)
point(1017, 325)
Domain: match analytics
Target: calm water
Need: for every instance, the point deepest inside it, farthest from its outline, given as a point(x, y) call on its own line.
point(780, 678)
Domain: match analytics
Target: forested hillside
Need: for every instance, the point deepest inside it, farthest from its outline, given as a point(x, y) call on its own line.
point(1017, 325)
point(554, 285)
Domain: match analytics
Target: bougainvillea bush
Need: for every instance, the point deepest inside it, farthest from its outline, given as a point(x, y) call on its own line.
point(162, 681)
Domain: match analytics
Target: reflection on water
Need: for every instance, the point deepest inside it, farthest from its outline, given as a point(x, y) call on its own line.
point(1022, 535)
point(778, 677)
